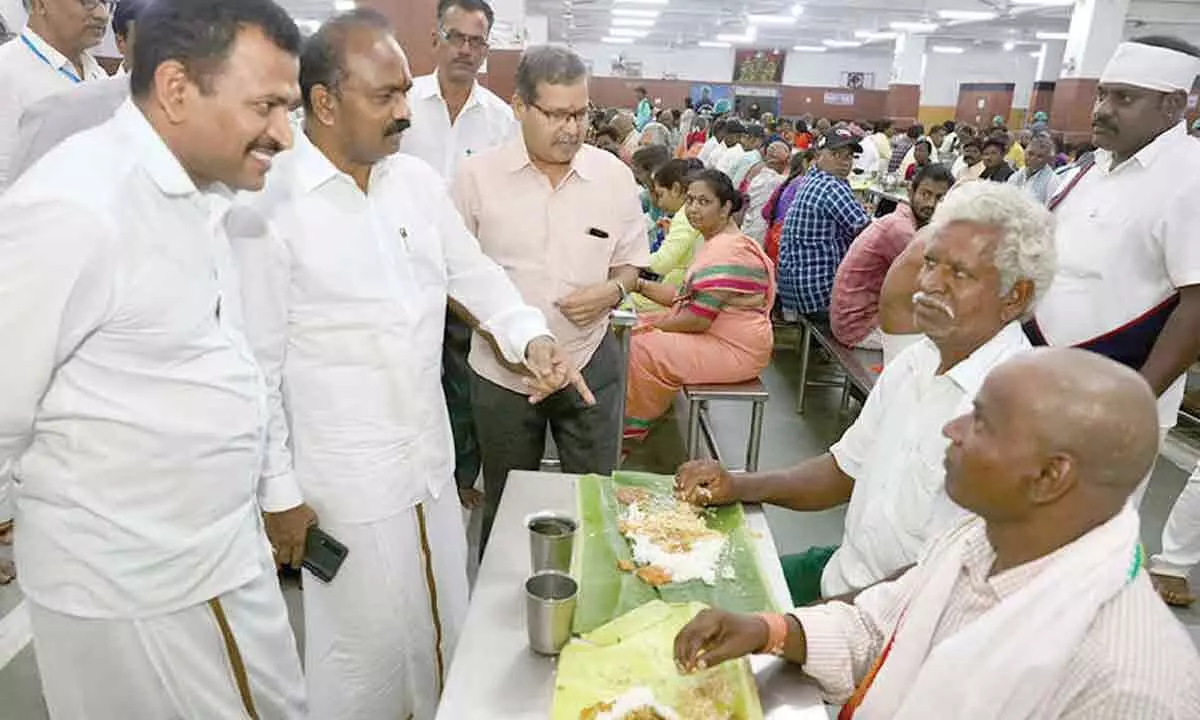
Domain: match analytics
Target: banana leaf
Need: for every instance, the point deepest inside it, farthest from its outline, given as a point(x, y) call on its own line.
point(637, 650)
point(606, 592)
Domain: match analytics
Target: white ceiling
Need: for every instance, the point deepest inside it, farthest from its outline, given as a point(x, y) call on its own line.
point(683, 23)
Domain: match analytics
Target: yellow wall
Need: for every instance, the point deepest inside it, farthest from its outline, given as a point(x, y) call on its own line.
point(929, 115)
point(1016, 118)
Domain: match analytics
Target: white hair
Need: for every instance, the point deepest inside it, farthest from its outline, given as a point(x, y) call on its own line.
point(658, 134)
point(1025, 249)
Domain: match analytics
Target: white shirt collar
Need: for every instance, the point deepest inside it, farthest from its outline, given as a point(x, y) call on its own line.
point(970, 373)
point(314, 168)
point(152, 152)
point(1147, 155)
point(427, 86)
point(57, 60)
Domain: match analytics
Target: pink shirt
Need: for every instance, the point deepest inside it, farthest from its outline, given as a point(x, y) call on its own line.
point(854, 308)
point(551, 241)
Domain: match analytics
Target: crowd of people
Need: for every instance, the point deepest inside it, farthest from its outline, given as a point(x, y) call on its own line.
point(258, 283)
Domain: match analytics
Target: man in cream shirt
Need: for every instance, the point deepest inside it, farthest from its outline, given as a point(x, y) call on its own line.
point(49, 56)
point(989, 255)
point(134, 414)
point(454, 117)
point(349, 337)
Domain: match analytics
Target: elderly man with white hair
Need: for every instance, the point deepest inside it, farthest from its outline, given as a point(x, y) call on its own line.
point(989, 256)
point(1129, 279)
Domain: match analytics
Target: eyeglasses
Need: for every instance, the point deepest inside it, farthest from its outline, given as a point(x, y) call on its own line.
point(93, 5)
point(562, 117)
point(457, 40)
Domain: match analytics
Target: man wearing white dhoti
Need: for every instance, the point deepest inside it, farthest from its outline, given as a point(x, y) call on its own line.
point(131, 407)
point(347, 259)
point(1128, 283)
point(1037, 609)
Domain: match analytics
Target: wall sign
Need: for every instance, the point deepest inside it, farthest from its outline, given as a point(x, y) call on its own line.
point(839, 98)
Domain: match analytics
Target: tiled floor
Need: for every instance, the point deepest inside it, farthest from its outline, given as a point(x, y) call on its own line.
point(788, 438)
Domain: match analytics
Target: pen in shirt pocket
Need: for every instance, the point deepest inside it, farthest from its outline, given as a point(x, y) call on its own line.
point(597, 233)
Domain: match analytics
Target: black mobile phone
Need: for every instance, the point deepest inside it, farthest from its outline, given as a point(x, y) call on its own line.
point(323, 555)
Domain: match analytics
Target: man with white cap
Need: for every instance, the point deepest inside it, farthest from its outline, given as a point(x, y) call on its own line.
point(1128, 283)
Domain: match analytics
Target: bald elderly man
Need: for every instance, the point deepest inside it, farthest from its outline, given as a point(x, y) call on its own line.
point(760, 184)
point(1037, 607)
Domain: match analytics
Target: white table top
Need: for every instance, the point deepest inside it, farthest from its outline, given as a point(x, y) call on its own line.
point(494, 674)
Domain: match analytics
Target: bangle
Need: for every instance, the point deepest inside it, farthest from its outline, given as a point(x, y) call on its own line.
point(624, 293)
point(638, 285)
point(777, 632)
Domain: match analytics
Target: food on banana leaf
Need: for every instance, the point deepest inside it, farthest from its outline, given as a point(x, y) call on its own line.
point(672, 537)
point(626, 670)
point(605, 565)
point(654, 575)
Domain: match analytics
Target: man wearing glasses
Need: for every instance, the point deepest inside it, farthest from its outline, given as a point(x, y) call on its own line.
point(453, 117)
point(564, 219)
point(49, 56)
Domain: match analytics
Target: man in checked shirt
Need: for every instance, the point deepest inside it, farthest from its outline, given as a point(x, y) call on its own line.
point(820, 225)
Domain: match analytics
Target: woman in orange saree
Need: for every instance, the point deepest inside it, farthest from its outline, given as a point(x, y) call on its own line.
point(718, 327)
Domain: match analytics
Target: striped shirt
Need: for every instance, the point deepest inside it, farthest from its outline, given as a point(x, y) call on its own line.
point(1135, 662)
point(820, 225)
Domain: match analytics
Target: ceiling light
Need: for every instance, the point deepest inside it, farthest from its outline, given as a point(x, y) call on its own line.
point(627, 32)
point(632, 22)
point(810, 48)
point(874, 35)
point(1036, 54)
point(914, 27)
point(1044, 3)
point(310, 26)
point(634, 12)
point(948, 49)
point(617, 40)
point(967, 15)
point(771, 19)
point(1009, 46)
point(1052, 35)
point(842, 43)
point(797, 10)
point(713, 44)
point(746, 37)
point(644, 2)
point(345, 5)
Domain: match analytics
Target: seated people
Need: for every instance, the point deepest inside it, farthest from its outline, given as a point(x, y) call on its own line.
point(820, 225)
point(854, 308)
point(1038, 176)
point(644, 162)
point(995, 167)
point(760, 185)
point(921, 152)
point(672, 258)
point(752, 143)
point(776, 209)
point(988, 258)
point(1039, 608)
point(718, 329)
point(735, 140)
point(969, 165)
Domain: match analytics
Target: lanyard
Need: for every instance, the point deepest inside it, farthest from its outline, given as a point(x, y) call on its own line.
point(33, 49)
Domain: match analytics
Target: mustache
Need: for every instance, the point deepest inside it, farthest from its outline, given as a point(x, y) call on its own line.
point(397, 127)
point(924, 298)
point(1099, 121)
point(267, 145)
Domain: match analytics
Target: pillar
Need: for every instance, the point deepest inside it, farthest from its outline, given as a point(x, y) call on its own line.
point(908, 70)
point(1096, 30)
point(414, 22)
point(1050, 60)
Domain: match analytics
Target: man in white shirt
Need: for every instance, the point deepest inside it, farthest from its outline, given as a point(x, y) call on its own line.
point(349, 337)
point(1039, 607)
point(969, 165)
point(453, 117)
point(50, 55)
point(134, 414)
point(868, 161)
point(1128, 285)
point(714, 144)
point(57, 117)
point(735, 135)
point(989, 254)
point(752, 144)
point(764, 180)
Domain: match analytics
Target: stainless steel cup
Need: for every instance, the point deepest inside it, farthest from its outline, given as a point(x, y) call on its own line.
point(551, 540)
point(549, 610)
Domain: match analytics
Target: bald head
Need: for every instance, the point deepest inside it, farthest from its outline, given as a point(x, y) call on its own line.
point(1057, 437)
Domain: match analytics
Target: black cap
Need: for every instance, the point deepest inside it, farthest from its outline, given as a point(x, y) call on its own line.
point(735, 127)
point(839, 138)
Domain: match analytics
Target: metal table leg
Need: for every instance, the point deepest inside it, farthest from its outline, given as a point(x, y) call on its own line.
point(757, 413)
point(622, 321)
point(693, 433)
point(805, 351)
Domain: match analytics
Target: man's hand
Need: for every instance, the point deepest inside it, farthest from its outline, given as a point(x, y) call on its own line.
point(287, 532)
point(588, 306)
point(470, 498)
point(552, 371)
point(715, 636)
point(705, 482)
